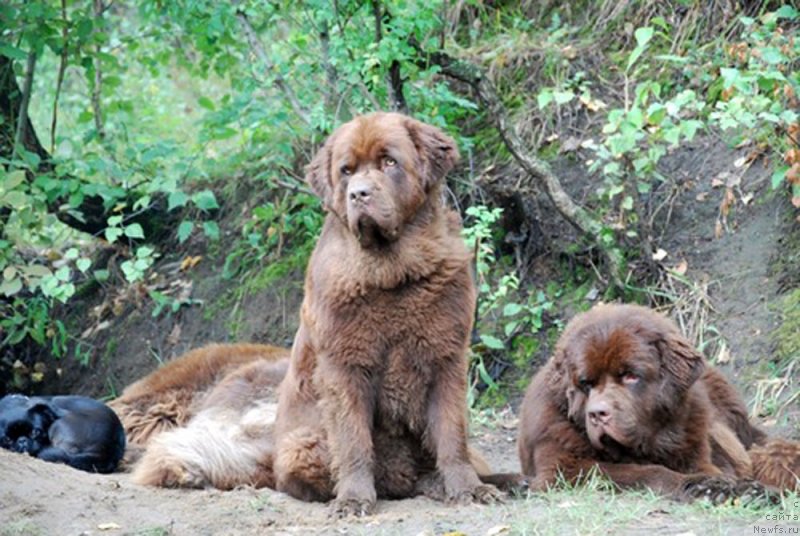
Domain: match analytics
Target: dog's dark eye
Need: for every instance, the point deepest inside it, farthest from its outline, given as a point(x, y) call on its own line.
point(346, 170)
point(584, 385)
point(629, 378)
point(388, 161)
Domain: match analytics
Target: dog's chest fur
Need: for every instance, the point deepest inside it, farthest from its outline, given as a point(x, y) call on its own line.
point(400, 339)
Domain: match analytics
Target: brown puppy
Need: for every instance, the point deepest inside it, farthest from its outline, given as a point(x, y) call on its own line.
point(374, 403)
point(171, 395)
point(626, 392)
point(228, 443)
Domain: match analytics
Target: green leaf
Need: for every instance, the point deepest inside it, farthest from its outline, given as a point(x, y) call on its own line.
point(13, 52)
point(63, 274)
point(71, 254)
point(134, 230)
point(11, 287)
point(690, 128)
point(779, 176)
point(36, 270)
point(184, 230)
point(177, 199)
point(113, 221)
point(14, 199)
point(643, 36)
point(206, 103)
point(492, 342)
point(544, 98)
point(112, 233)
point(787, 12)
point(563, 97)
point(83, 264)
point(211, 229)
point(512, 309)
point(13, 179)
point(627, 203)
point(205, 200)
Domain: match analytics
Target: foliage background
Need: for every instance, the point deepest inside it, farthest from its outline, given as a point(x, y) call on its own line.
point(158, 189)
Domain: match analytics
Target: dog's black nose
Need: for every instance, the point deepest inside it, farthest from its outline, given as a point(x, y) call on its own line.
point(359, 192)
point(599, 412)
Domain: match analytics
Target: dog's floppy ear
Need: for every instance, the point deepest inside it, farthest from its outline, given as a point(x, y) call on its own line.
point(318, 173)
point(438, 152)
point(680, 359)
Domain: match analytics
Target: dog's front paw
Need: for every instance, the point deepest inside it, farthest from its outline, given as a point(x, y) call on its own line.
point(721, 489)
point(349, 506)
point(462, 486)
point(482, 493)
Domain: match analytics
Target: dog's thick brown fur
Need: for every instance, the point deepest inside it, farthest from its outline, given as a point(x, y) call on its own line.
point(228, 442)
point(625, 392)
point(374, 403)
point(171, 395)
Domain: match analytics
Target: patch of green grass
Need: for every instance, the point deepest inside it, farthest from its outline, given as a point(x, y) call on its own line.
point(595, 507)
point(23, 527)
point(154, 531)
point(787, 334)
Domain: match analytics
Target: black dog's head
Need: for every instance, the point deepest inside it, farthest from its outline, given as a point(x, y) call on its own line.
point(24, 423)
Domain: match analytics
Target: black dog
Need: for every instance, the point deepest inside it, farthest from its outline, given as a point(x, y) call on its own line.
point(78, 431)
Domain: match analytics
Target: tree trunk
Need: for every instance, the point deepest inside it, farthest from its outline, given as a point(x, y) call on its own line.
point(92, 214)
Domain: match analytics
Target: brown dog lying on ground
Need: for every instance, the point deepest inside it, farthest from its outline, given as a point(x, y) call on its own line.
point(171, 395)
point(626, 392)
point(205, 419)
point(374, 403)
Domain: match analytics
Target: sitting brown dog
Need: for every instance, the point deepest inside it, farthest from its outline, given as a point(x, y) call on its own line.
point(374, 403)
point(625, 392)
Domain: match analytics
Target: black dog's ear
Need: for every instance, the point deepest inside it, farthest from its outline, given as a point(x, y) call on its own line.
point(318, 173)
point(437, 150)
point(681, 360)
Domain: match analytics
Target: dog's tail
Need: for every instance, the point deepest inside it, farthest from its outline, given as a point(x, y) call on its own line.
point(219, 448)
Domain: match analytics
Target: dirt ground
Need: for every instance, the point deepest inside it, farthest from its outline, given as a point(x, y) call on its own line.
point(734, 272)
point(42, 499)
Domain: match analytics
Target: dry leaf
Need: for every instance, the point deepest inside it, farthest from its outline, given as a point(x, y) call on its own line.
point(796, 201)
point(681, 268)
point(727, 201)
point(724, 355)
point(174, 336)
point(499, 529)
point(701, 197)
point(551, 138)
point(739, 162)
point(747, 198)
point(717, 182)
point(659, 255)
point(108, 526)
point(718, 229)
point(733, 181)
point(190, 262)
point(570, 144)
point(793, 174)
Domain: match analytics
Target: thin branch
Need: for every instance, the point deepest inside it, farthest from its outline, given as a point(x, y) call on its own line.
point(22, 118)
point(258, 48)
point(536, 169)
point(62, 67)
point(331, 75)
point(98, 78)
point(397, 99)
